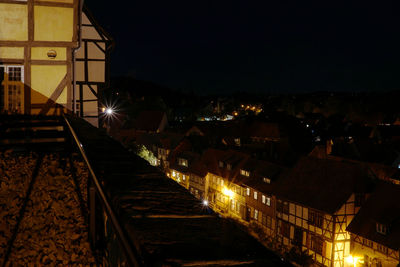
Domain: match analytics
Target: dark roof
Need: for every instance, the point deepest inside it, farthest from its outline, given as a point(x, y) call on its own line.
point(323, 184)
point(212, 157)
point(260, 169)
point(149, 120)
point(383, 206)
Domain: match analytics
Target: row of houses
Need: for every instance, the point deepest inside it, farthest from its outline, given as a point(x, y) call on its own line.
point(339, 212)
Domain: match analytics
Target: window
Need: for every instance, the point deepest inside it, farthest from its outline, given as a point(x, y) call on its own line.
point(255, 195)
point(381, 228)
point(267, 221)
point(220, 164)
point(184, 177)
point(317, 244)
point(173, 173)
point(263, 199)
point(285, 207)
point(285, 229)
point(315, 218)
point(268, 202)
point(367, 242)
point(229, 166)
point(244, 172)
point(267, 180)
point(255, 214)
point(248, 191)
point(11, 90)
point(182, 162)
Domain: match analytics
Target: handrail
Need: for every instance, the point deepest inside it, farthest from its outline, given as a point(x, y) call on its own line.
point(130, 253)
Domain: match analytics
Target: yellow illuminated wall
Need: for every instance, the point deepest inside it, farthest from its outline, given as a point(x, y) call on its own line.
point(13, 22)
point(54, 23)
point(44, 81)
point(12, 52)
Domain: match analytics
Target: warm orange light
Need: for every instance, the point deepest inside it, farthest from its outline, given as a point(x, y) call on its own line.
point(227, 192)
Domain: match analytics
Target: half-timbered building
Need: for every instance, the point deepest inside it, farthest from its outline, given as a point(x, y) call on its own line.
point(39, 41)
point(91, 68)
point(375, 230)
point(316, 201)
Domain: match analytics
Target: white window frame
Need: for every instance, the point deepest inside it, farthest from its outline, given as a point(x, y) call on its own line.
point(248, 191)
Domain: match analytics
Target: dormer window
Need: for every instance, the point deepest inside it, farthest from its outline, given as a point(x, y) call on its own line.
point(267, 180)
point(381, 228)
point(221, 164)
point(182, 162)
point(244, 173)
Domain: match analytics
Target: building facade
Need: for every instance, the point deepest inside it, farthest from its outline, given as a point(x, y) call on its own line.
point(38, 45)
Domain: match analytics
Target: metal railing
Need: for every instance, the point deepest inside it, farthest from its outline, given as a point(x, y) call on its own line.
point(131, 254)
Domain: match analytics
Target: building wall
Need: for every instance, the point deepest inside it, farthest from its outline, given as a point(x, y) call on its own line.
point(371, 254)
point(37, 38)
point(91, 69)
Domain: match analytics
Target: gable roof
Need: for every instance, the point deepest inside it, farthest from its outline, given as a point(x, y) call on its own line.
point(383, 206)
point(323, 184)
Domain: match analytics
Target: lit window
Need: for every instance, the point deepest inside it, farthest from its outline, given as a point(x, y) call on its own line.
point(222, 182)
point(182, 162)
point(184, 177)
point(256, 214)
point(229, 167)
point(381, 228)
point(244, 173)
point(268, 201)
point(267, 180)
point(255, 195)
point(220, 164)
point(173, 173)
point(248, 191)
point(263, 199)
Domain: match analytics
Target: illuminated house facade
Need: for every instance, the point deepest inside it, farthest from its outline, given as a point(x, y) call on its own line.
point(38, 45)
point(325, 208)
point(261, 177)
point(375, 230)
point(315, 203)
point(91, 68)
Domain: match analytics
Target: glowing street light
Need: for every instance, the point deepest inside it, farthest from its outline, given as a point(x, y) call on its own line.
point(227, 192)
point(205, 203)
point(109, 111)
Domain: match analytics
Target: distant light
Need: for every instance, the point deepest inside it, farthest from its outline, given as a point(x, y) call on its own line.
point(109, 111)
point(205, 202)
point(307, 125)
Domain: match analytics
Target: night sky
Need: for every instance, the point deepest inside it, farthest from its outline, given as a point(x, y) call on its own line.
point(255, 46)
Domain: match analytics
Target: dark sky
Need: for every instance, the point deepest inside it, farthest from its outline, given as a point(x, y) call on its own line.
point(256, 46)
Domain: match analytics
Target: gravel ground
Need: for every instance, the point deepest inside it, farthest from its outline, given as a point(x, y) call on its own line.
point(53, 231)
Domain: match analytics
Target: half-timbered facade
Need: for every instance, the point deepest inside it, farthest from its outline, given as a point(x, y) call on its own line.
point(315, 204)
point(38, 44)
point(91, 68)
point(375, 230)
